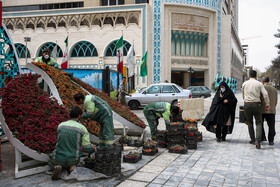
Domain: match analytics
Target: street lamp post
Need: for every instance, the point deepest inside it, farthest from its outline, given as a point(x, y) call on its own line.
point(190, 71)
point(26, 39)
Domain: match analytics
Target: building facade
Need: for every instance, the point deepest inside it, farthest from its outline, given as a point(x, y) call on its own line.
point(187, 41)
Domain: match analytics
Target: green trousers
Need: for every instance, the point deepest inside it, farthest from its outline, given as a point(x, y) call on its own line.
point(151, 118)
point(106, 134)
point(65, 164)
point(250, 111)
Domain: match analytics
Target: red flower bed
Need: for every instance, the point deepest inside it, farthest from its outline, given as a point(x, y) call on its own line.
point(67, 89)
point(30, 113)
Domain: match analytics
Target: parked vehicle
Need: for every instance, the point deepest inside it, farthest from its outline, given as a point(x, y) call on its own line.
point(162, 92)
point(200, 91)
point(141, 89)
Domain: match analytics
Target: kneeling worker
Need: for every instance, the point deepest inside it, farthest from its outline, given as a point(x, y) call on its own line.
point(98, 110)
point(157, 110)
point(45, 58)
point(73, 138)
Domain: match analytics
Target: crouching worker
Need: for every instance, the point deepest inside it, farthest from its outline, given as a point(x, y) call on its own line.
point(98, 110)
point(157, 110)
point(73, 138)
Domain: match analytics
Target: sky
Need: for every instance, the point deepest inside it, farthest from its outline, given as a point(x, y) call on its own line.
point(258, 22)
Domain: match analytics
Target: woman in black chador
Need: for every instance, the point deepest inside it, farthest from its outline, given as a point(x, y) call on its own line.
point(220, 119)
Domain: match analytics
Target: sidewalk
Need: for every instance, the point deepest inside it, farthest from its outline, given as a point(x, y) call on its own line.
point(231, 163)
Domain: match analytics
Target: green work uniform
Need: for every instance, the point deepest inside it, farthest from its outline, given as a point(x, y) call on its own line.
point(51, 61)
point(73, 138)
point(154, 111)
point(98, 110)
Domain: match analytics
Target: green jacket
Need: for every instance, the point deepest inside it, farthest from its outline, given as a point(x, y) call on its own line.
point(96, 108)
point(272, 94)
point(73, 138)
point(160, 109)
point(51, 62)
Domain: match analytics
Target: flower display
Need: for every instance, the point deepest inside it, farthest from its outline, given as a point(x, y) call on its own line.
point(31, 115)
point(67, 89)
point(177, 147)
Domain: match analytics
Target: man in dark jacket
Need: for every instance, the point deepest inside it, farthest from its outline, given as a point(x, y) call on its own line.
point(220, 119)
point(269, 115)
point(73, 138)
point(98, 110)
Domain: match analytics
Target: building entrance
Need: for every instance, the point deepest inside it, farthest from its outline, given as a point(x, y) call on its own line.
point(182, 78)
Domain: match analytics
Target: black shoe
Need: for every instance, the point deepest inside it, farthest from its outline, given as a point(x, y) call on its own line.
point(258, 145)
point(271, 143)
point(264, 139)
point(252, 142)
point(223, 139)
point(57, 172)
point(218, 140)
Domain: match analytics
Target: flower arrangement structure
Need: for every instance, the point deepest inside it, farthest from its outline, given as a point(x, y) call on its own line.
point(68, 87)
point(132, 157)
point(182, 149)
point(161, 138)
point(150, 148)
point(31, 115)
point(125, 139)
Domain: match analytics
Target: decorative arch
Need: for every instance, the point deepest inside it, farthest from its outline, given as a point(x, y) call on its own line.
point(51, 24)
point(30, 25)
point(97, 21)
point(21, 51)
point(85, 21)
point(74, 22)
point(20, 25)
point(111, 49)
point(133, 19)
point(51, 47)
point(41, 24)
point(62, 23)
point(83, 49)
point(10, 26)
point(120, 20)
point(108, 21)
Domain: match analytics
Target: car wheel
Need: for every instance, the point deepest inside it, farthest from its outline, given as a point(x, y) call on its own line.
point(133, 105)
point(202, 96)
point(174, 103)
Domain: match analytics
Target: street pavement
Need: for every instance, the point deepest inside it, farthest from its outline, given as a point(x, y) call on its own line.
point(231, 163)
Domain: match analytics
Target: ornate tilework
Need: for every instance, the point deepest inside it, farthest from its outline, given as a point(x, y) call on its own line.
point(157, 12)
point(8, 61)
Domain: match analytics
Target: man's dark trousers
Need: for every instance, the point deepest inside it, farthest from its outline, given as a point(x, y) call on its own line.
point(270, 119)
point(254, 110)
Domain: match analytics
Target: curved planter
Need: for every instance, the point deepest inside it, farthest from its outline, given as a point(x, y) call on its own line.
point(19, 145)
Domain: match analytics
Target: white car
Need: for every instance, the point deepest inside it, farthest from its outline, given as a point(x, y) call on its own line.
point(162, 92)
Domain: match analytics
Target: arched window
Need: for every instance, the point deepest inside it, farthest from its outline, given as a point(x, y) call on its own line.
point(112, 48)
point(21, 50)
point(51, 47)
point(83, 49)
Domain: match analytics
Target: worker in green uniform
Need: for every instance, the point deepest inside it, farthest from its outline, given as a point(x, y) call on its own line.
point(46, 58)
point(157, 110)
point(98, 110)
point(73, 139)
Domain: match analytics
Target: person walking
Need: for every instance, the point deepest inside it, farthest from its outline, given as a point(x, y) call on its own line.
point(98, 110)
point(269, 115)
point(73, 139)
point(122, 92)
point(220, 119)
point(251, 92)
point(46, 58)
point(157, 110)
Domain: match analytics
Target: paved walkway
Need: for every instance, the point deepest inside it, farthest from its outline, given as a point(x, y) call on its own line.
point(231, 163)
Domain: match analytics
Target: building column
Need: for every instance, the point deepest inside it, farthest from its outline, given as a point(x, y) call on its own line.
point(186, 82)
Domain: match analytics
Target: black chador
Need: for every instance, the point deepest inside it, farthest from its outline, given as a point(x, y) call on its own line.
point(220, 119)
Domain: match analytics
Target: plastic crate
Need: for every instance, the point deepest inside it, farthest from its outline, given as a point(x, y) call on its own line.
point(151, 153)
point(192, 146)
point(183, 150)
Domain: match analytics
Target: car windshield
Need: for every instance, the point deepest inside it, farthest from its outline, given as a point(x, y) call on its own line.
point(179, 87)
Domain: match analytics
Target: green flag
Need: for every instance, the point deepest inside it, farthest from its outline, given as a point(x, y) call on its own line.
point(143, 66)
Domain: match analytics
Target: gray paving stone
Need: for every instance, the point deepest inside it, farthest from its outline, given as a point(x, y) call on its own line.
point(143, 176)
point(133, 183)
point(162, 176)
point(159, 181)
point(154, 185)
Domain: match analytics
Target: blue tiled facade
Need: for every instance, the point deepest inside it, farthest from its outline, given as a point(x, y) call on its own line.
point(157, 12)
